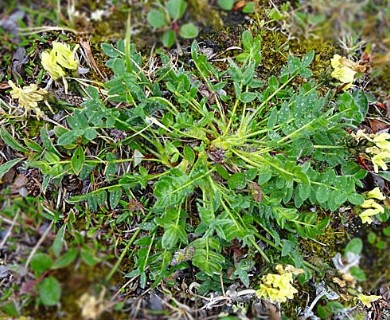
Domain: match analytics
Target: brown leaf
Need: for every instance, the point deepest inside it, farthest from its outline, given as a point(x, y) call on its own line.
point(377, 125)
point(4, 86)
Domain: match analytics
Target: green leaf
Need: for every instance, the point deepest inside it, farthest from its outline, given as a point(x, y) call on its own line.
point(11, 141)
point(58, 241)
point(5, 167)
point(361, 101)
point(208, 261)
point(189, 154)
point(41, 262)
point(287, 247)
point(110, 50)
point(69, 137)
point(237, 181)
point(156, 18)
point(176, 8)
point(188, 31)
point(78, 160)
point(88, 257)
point(358, 273)
point(172, 234)
point(226, 4)
point(66, 259)
point(11, 309)
point(355, 245)
point(46, 141)
point(308, 58)
point(247, 40)
point(247, 97)
point(168, 38)
point(322, 194)
point(356, 199)
point(49, 291)
point(114, 197)
point(249, 7)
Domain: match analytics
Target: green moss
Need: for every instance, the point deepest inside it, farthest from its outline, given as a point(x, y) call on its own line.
point(325, 247)
point(202, 12)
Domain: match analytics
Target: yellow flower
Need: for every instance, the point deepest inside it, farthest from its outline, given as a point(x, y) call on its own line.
point(342, 70)
point(28, 97)
point(343, 74)
point(381, 137)
point(277, 287)
point(372, 209)
point(375, 194)
point(366, 300)
point(379, 161)
point(360, 134)
point(380, 153)
point(49, 63)
point(381, 141)
point(59, 57)
point(335, 61)
point(64, 56)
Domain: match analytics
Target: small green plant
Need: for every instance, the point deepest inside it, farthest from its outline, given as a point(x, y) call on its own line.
point(166, 18)
point(225, 155)
point(237, 163)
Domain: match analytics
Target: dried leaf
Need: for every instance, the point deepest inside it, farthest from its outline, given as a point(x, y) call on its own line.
point(377, 125)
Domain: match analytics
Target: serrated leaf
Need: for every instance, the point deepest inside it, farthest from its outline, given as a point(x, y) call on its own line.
point(49, 291)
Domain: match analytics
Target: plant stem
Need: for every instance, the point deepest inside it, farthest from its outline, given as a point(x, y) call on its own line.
point(125, 250)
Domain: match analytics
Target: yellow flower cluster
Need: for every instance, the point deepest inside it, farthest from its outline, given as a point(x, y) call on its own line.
point(371, 206)
point(366, 300)
point(28, 97)
point(380, 153)
point(343, 70)
point(277, 287)
point(58, 58)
